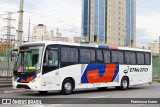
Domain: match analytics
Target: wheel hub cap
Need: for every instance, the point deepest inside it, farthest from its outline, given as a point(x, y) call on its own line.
point(68, 86)
point(125, 84)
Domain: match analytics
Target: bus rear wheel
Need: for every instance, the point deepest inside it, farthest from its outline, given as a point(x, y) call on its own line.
point(124, 83)
point(67, 87)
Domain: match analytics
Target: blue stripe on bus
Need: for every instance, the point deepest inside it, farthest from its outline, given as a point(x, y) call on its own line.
point(116, 72)
point(104, 47)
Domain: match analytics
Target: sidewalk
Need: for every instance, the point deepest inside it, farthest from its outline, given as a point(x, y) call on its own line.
point(9, 90)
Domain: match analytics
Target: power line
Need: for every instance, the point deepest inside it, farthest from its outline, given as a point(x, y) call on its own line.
point(10, 38)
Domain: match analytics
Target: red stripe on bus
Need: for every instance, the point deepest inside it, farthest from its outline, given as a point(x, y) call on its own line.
point(113, 47)
point(93, 76)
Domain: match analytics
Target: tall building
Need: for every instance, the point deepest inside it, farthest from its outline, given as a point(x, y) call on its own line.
point(109, 21)
point(60, 38)
point(77, 39)
point(40, 33)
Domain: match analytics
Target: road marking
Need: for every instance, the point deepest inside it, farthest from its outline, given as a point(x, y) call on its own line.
point(97, 97)
point(55, 105)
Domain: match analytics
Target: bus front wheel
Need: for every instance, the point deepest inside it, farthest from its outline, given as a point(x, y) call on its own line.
point(67, 87)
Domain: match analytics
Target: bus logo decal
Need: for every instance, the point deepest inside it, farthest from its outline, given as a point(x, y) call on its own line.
point(126, 70)
point(96, 73)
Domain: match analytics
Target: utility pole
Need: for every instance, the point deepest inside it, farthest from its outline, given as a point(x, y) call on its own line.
point(20, 24)
point(29, 31)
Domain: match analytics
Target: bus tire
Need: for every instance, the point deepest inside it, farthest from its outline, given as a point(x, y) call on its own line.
point(67, 87)
point(42, 92)
point(124, 83)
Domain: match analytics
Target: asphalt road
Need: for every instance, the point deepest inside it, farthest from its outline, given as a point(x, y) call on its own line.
point(87, 95)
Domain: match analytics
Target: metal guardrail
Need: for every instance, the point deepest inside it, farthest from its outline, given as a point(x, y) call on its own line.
point(5, 81)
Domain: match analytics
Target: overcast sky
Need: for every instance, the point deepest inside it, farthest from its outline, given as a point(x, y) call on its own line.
point(66, 15)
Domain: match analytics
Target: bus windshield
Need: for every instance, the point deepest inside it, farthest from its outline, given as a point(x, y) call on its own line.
point(29, 58)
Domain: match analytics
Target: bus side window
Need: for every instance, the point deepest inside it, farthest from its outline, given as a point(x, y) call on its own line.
point(51, 58)
point(140, 58)
point(147, 59)
point(115, 57)
point(133, 58)
point(92, 56)
point(85, 55)
point(99, 56)
point(107, 57)
point(120, 58)
point(127, 57)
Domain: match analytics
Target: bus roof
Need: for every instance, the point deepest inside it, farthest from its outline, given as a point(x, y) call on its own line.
point(87, 45)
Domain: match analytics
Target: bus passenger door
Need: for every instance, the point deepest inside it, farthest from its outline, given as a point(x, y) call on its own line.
point(51, 59)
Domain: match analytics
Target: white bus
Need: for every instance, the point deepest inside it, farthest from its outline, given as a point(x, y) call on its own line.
point(47, 66)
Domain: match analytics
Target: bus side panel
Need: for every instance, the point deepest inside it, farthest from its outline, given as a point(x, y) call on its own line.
point(99, 75)
point(54, 79)
point(137, 74)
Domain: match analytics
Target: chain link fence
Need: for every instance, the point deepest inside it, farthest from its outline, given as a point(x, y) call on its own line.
point(156, 67)
point(6, 65)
